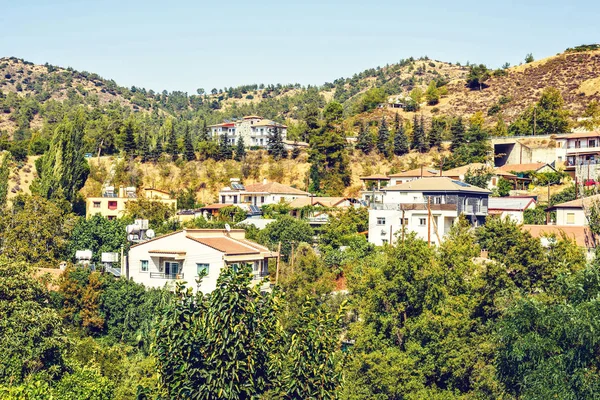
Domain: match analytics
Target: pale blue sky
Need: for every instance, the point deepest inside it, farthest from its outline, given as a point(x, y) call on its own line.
point(183, 45)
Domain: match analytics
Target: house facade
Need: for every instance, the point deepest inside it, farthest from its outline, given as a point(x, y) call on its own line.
point(184, 255)
point(112, 203)
point(574, 213)
point(253, 129)
point(512, 208)
point(259, 194)
point(429, 207)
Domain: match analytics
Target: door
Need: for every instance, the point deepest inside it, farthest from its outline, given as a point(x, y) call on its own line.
point(171, 268)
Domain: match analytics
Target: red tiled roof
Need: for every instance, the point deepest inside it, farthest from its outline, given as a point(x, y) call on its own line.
point(581, 234)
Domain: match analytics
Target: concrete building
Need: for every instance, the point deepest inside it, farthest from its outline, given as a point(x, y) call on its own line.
point(510, 207)
point(575, 212)
point(259, 194)
point(252, 128)
point(372, 186)
point(112, 204)
point(427, 206)
point(182, 256)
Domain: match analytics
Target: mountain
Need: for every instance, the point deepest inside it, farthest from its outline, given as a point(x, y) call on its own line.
point(30, 94)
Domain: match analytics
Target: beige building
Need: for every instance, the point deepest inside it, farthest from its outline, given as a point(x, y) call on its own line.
point(112, 203)
point(252, 128)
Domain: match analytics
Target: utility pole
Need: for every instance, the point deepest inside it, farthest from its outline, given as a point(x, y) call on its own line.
point(403, 225)
point(278, 260)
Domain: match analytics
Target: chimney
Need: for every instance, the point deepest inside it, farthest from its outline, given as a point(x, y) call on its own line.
point(264, 181)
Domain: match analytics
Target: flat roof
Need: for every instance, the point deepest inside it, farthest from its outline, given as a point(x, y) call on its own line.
point(435, 184)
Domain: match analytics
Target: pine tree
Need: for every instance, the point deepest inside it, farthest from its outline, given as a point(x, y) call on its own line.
point(4, 173)
point(365, 140)
point(275, 145)
point(435, 133)
point(172, 148)
point(295, 151)
point(418, 135)
point(144, 148)
point(400, 141)
point(458, 134)
point(188, 145)
point(203, 135)
point(240, 149)
point(158, 149)
point(225, 151)
point(383, 137)
point(129, 140)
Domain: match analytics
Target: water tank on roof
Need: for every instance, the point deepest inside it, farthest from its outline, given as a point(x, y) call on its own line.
point(133, 229)
point(110, 189)
point(83, 255)
point(142, 223)
point(110, 257)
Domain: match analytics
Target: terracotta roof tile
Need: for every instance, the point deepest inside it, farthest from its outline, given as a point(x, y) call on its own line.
point(226, 245)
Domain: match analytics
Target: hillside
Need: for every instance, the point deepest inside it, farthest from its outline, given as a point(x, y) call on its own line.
point(29, 93)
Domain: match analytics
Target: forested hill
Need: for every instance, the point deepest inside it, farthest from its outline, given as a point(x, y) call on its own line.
point(34, 97)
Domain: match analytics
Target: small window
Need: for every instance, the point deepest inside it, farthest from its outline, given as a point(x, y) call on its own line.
point(111, 217)
point(202, 269)
point(235, 267)
point(96, 204)
point(262, 199)
point(144, 265)
point(380, 220)
point(570, 218)
point(384, 241)
point(404, 221)
point(403, 193)
point(112, 205)
point(422, 221)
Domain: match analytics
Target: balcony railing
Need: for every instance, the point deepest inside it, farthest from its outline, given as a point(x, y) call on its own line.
point(162, 275)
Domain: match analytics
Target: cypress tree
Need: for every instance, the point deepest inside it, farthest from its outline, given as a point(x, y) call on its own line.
point(240, 149)
point(275, 145)
point(188, 145)
point(129, 140)
point(458, 134)
point(423, 135)
point(364, 140)
point(295, 151)
point(383, 137)
point(63, 169)
point(4, 173)
point(400, 141)
point(158, 149)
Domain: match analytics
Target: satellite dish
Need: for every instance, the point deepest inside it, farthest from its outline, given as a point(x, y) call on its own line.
point(227, 228)
point(150, 233)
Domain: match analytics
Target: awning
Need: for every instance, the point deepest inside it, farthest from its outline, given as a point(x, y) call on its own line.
point(177, 255)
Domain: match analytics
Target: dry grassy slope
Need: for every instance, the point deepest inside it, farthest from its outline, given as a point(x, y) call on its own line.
point(576, 75)
point(210, 176)
point(29, 74)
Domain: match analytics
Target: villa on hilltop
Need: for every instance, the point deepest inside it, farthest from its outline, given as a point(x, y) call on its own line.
point(253, 129)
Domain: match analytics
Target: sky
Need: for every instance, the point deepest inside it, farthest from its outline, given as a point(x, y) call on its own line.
point(185, 45)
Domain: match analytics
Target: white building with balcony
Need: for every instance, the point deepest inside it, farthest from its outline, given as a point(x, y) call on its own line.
point(259, 194)
point(184, 255)
point(427, 206)
point(253, 129)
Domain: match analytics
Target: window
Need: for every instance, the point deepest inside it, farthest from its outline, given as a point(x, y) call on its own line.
point(222, 199)
point(592, 143)
point(112, 205)
point(404, 221)
point(202, 269)
point(570, 218)
point(96, 204)
point(422, 221)
point(403, 193)
point(235, 267)
point(144, 265)
point(262, 199)
point(384, 241)
point(171, 268)
point(380, 220)
point(111, 217)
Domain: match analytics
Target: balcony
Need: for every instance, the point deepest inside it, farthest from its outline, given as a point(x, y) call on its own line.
point(162, 275)
point(583, 149)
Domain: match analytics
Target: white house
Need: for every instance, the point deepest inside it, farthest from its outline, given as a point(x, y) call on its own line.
point(259, 194)
point(252, 128)
point(428, 206)
point(510, 207)
point(574, 213)
point(183, 255)
point(412, 174)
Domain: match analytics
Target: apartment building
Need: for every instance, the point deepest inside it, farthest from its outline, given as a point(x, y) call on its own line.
point(112, 203)
point(252, 128)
